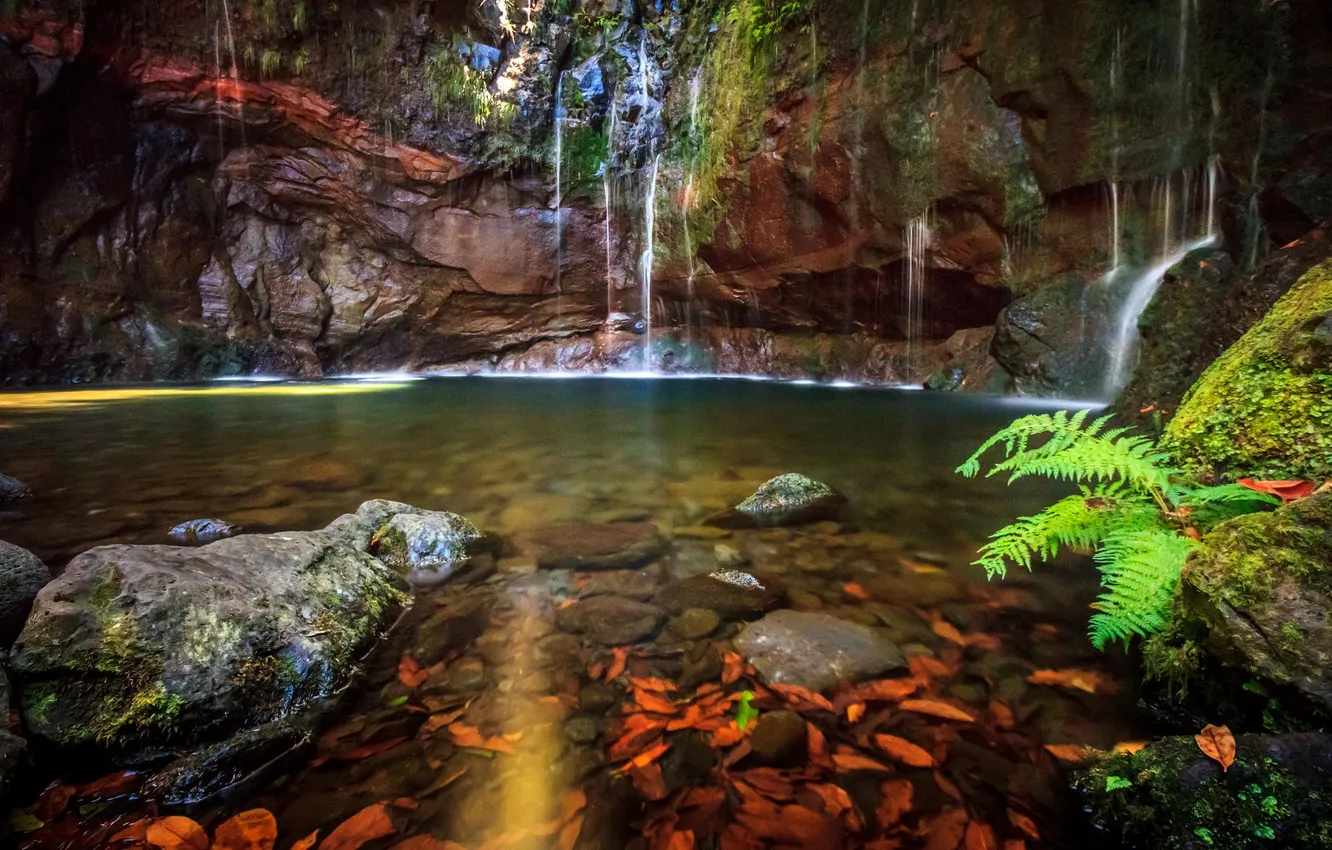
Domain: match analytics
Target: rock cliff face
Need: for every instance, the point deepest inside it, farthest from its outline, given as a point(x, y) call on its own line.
point(850, 190)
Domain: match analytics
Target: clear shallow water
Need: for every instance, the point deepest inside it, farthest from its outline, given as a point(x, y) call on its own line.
point(519, 454)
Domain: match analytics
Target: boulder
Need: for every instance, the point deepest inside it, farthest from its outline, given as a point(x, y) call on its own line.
point(730, 593)
point(780, 739)
point(1052, 342)
point(13, 749)
point(1257, 596)
point(12, 490)
point(138, 648)
point(611, 620)
point(1169, 794)
point(596, 546)
point(429, 546)
point(196, 532)
point(815, 651)
point(790, 499)
point(22, 575)
point(1263, 409)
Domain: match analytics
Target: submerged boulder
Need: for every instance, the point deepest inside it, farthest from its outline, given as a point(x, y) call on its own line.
point(1257, 596)
point(1170, 795)
point(790, 499)
point(596, 546)
point(611, 620)
point(22, 576)
point(815, 651)
point(1263, 409)
point(730, 593)
point(155, 648)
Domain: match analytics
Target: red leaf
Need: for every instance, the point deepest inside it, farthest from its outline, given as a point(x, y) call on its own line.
point(904, 751)
point(851, 761)
point(886, 690)
point(255, 829)
point(410, 673)
point(177, 833)
point(945, 831)
point(1286, 491)
point(979, 836)
point(366, 825)
point(894, 801)
point(648, 756)
point(307, 842)
point(648, 781)
point(855, 591)
point(937, 709)
point(621, 656)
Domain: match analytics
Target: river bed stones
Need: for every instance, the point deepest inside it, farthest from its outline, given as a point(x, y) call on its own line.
point(780, 739)
point(152, 647)
point(196, 532)
point(815, 651)
point(790, 499)
point(732, 594)
point(22, 576)
point(611, 620)
point(12, 491)
point(595, 546)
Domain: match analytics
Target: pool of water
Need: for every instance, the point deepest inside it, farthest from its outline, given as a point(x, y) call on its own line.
point(515, 455)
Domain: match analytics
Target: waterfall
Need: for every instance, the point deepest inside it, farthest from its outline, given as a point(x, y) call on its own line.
point(1116, 72)
point(559, 171)
point(917, 239)
point(645, 262)
point(606, 187)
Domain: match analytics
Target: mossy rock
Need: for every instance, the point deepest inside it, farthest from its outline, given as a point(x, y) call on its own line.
point(1256, 596)
point(1170, 796)
point(429, 546)
point(789, 499)
point(160, 647)
point(1264, 408)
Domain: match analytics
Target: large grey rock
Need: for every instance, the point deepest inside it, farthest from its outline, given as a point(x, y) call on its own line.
point(12, 490)
point(733, 594)
point(596, 546)
point(815, 651)
point(22, 575)
point(138, 647)
point(1054, 341)
point(611, 620)
point(430, 546)
point(789, 499)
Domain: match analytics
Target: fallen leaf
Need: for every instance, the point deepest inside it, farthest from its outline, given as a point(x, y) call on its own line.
point(904, 751)
point(648, 701)
point(1003, 716)
point(733, 667)
point(727, 736)
point(692, 717)
point(946, 785)
point(648, 756)
point(435, 722)
point(945, 831)
point(136, 833)
point(307, 842)
point(366, 825)
point(800, 696)
point(466, 736)
point(499, 744)
point(979, 836)
point(1089, 681)
point(425, 842)
point(945, 630)
point(853, 761)
point(572, 803)
point(937, 709)
point(855, 711)
point(177, 833)
point(1025, 824)
point(818, 746)
point(887, 690)
point(1286, 491)
point(410, 673)
point(1218, 744)
point(682, 840)
point(620, 657)
point(648, 781)
point(894, 801)
point(569, 834)
point(855, 591)
point(255, 829)
point(1015, 844)
point(1067, 752)
point(925, 667)
point(637, 732)
point(1129, 747)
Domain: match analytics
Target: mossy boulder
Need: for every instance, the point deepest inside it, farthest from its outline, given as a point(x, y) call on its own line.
point(1264, 408)
point(22, 575)
point(1257, 596)
point(427, 547)
point(1170, 796)
point(140, 649)
point(789, 499)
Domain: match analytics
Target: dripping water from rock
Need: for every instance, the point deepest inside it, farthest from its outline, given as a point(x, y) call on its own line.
point(645, 261)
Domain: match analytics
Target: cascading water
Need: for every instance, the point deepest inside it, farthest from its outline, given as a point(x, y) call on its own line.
point(916, 239)
point(606, 187)
point(559, 174)
point(645, 261)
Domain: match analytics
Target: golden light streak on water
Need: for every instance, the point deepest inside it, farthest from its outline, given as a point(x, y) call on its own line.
point(57, 399)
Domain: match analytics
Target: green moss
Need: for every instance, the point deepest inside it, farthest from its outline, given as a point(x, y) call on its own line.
point(1264, 408)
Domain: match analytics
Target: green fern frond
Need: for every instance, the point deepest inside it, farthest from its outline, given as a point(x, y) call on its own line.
point(1140, 570)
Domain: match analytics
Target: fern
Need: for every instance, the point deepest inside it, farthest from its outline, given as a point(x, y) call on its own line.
point(1137, 512)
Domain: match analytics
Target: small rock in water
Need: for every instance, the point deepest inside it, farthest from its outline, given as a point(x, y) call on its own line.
point(13, 490)
point(582, 729)
point(729, 556)
point(588, 546)
point(596, 698)
point(790, 499)
point(429, 547)
point(199, 531)
point(815, 651)
point(780, 739)
point(730, 593)
point(611, 620)
point(22, 576)
point(695, 623)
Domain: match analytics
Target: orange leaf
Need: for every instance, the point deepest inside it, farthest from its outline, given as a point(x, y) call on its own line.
point(177, 833)
point(648, 756)
point(366, 825)
point(937, 709)
point(307, 842)
point(136, 832)
point(648, 781)
point(498, 744)
point(649, 683)
point(727, 736)
point(887, 690)
point(649, 701)
point(682, 840)
point(410, 673)
point(1025, 824)
point(435, 722)
point(256, 829)
point(1129, 747)
point(945, 630)
point(569, 834)
point(733, 667)
point(945, 831)
point(693, 716)
point(1089, 681)
point(1218, 744)
point(924, 667)
point(852, 761)
point(979, 836)
point(1067, 752)
point(1286, 491)
point(620, 658)
point(818, 746)
point(424, 842)
point(855, 711)
point(894, 801)
point(466, 736)
point(1015, 844)
point(1003, 717)
point(855, 591)
point(904, 751)
point(800, 696)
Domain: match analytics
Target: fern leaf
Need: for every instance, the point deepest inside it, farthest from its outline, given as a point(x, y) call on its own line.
point(1140, 570)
